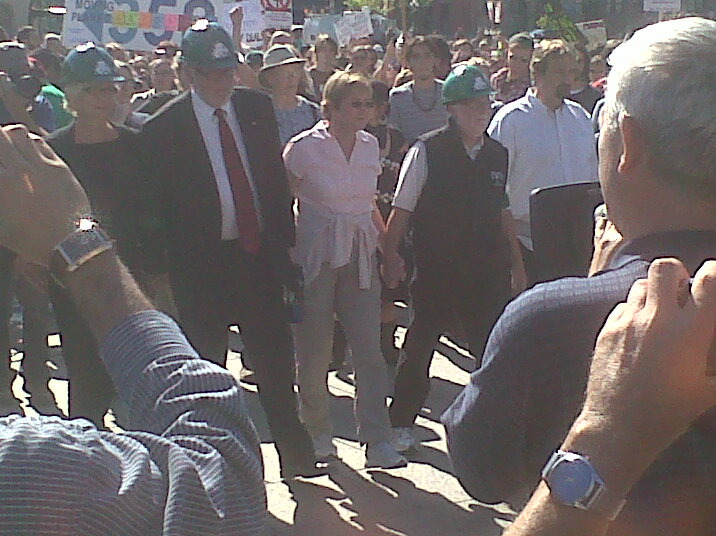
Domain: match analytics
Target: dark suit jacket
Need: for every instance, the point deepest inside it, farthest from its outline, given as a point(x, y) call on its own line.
point(184, 194)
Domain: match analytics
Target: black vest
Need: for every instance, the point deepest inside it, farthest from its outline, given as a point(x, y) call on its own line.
point(457, 222)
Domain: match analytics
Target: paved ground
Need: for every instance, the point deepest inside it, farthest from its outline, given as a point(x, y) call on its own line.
point(423, 499)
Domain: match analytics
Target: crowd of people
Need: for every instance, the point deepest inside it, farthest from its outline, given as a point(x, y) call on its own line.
point(154, 199)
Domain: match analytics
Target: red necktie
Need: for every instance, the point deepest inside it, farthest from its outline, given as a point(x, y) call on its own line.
point(246, 218)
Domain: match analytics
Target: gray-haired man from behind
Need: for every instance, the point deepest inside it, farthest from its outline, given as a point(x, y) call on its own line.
point(658, 174)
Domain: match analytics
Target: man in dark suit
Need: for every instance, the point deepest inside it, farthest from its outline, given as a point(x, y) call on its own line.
point(219, 187)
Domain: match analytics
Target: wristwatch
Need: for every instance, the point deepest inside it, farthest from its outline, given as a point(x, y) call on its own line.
point(84, 243)
point(573, 481)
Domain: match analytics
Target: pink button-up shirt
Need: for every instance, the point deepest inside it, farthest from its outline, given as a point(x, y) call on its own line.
point(336, 201)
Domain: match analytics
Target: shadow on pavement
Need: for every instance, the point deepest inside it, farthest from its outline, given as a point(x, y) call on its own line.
point(378, 504)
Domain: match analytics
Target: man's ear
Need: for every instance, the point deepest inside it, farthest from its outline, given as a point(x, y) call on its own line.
point(634, 145)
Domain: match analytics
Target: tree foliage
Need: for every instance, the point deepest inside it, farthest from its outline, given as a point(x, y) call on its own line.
point(379, 6)
point(556, 20)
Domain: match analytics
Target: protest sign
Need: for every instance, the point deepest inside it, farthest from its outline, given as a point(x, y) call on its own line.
point(595, 32)
point(662, 6)
point(134, 24)
point(361, 25)
point(278, 13)
point(253, 24)
point(353, 25)
point(343, 30)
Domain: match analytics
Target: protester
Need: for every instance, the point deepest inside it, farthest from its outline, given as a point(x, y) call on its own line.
point(36, 322)
point(117, 51)
point(20, 98)
point(462, 50)
point(28, 36)
point(597, 69)
point(326, 50)
point(443, 56)
point(281, 75)
point(658, 185)
point(188, 461)
point(363, 61)
point(163, 87)
point(452, 193)
point(124, 114)
point(280, 38)
point(392, 145)
point(255, 60)
point(333, 169)
point(53, 43)
point(564, 150)
point(650, 403)
point(219, 185)
point(416, 108)
point(512, 81)
point(104, 158)
point(582, 90)
point(51, 65)
point(390, 66)
point(21, 102)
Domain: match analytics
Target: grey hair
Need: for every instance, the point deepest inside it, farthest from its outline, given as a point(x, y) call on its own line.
point(665, 78)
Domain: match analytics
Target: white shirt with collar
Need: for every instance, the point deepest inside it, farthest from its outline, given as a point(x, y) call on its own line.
point(336, 201)
point(546, 148)
point(209, 127)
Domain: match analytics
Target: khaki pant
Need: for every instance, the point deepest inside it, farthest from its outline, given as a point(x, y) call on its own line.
point(335, 292)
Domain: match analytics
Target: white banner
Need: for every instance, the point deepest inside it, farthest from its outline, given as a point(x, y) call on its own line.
point(353, 25)
point(594, 31)
point(278, 13)
point(134, 24)
point(253, 24)
point(343, 31)
point(662, 6)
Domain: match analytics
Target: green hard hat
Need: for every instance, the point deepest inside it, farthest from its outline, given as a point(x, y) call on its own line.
point(465, 82)
point(89, 63)
point(209, 46)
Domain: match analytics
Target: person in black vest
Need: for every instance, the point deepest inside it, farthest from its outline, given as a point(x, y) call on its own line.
point(451, 192)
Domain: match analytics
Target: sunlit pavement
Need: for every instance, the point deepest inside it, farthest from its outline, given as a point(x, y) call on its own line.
point(422, 499)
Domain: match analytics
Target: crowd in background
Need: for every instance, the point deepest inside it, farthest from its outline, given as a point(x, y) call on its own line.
point(302, 191)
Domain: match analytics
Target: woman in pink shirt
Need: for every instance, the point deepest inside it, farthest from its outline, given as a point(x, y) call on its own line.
point(334, 169)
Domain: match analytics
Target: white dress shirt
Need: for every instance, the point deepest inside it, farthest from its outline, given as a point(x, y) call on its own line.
point(336, 201)
point(209, 126)
point(546, 148)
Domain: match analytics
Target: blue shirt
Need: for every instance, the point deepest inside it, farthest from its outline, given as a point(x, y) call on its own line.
point(191, 463)
point(518, 407)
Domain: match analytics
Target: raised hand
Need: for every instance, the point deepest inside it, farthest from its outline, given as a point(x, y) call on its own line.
point(41, 199)
point(648, 377)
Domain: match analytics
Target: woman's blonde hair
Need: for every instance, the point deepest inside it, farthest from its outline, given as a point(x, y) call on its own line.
point(339, 86)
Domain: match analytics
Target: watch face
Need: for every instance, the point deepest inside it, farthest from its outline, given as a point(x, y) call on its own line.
point(571, 481)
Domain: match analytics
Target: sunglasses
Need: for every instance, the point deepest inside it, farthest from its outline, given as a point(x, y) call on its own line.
point(357, 104)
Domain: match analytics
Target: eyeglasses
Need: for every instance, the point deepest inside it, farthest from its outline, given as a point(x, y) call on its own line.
point(367, 104)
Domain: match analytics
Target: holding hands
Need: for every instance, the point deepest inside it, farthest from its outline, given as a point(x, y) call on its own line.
point(392, 269)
